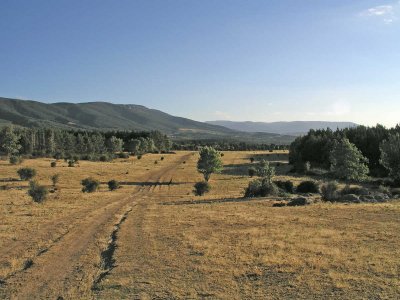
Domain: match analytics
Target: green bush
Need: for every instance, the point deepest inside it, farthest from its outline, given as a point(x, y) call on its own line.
point(26, 173)
point(260, 188)
point(71, 163)
point(113, 185)
point(15, 160)
point(55, 179)
point(53, 164)
point(252, 171)
point(139, 156)
point(90, 185)
point(201, 187)
point(37, 192)
point(329, 191)
point(286, 186)
point(355, 190)
point(162, 158)
point(123, 155)
point(308, 187)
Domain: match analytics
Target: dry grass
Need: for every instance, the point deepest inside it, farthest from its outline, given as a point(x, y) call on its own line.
point(175, 245)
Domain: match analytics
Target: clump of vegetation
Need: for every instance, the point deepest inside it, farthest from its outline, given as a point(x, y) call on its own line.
point(251, 159)
point(139, 156)
point(113, 185)
point(260, 188)
point(355, 190)
point(162, 158)
point(53, 164)
point(90, 185)
point(308, 186)
point(123, 155)
point(105, 157)
point(209, 162)
point(15, 160)
point(26, 173)
point(37, 192)
point(252, 171)
point(71, 163)
point(201, 188)
point(329, 191)
point(155, 162)
point(347, 162)
point(286, 186)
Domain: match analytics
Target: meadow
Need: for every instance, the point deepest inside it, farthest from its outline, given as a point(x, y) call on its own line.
point(153, 239)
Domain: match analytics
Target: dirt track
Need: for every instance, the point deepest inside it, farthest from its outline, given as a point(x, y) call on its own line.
point(66, 269)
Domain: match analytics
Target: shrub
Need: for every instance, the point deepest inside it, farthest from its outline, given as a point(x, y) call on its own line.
point(113, 185)
point(287, 186)
point(252, 171)
point(26, 173)
point(76, 158)
point(251, 159)
point(53, 164)
point(71, 163)
point(260, 188)
point(330, 191)
point(37, 192)
point(123, 155)
point(356, 190)
point(201, 187)
point(55, 178)
point(384, 190)
point(104, 158)
point(15, 160)
point(90, 185)
point(308, 187)
point(155, 162)
point(139, 156)
point(162, 158)
point(222, 154)
point(265, 170)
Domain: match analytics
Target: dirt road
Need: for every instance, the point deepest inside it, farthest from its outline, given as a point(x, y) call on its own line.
point(72, 265)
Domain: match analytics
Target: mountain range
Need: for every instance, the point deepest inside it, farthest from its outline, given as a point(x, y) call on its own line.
point(294, 128)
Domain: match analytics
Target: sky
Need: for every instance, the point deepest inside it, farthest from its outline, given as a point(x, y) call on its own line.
point(275, 60)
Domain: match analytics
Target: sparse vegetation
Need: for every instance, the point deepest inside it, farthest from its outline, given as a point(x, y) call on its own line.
point(55, 179)
point(260, 188)
point(329, 191)
point(287, 186)
point(15, 160)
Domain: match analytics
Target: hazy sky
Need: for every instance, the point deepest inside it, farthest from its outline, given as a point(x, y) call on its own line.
point(206, 60)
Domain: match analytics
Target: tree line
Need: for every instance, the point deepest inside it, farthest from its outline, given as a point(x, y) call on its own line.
point(357, 151)
point(59, 143)
point(223, 145)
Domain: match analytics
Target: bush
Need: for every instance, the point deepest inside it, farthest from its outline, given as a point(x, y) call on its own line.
point(76, 158)
point(26, 173)
point(384, 190)
point(123, 155)
point(113, 185)
point(71, 163)
point(201, 187)
point(330, 191)
point(155, 162)
point(356, 190)
point(105, 158)
point(53, 164)
point(251, 159)
point(252, 171)
point(15, 160)
point(287, 186)
point(90, 185)
point(308, 187)
point(222, 154)
point(162, 158)
point(139, 156)
point(37, 192)
point(55, 178)
point(260, 188)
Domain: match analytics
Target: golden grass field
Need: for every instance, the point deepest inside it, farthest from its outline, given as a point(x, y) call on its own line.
point(168, 244)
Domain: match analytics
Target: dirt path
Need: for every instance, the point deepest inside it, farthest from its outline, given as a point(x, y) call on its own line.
point(69, 268)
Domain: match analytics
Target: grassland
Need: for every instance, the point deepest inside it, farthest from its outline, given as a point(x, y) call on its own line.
point(152, 239)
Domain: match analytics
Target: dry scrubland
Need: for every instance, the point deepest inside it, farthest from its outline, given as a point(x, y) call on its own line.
point(162, 242)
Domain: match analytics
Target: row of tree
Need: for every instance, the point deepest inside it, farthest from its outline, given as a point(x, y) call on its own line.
point(223, 145)
point(352, 153)
point(17, 141)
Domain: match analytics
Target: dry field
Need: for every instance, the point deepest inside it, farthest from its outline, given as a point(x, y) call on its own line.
point(152, 239)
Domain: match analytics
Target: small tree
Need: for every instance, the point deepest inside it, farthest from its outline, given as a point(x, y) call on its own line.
point(9, 141)
point(390, 155)
point(37, 192)
point(113, 185)
point(114, 144)
point(347, 162)
point(265, 170)
point(90, 185)
point(209, 162)
point(26, 173)
point(202, 187)
point(53, 164)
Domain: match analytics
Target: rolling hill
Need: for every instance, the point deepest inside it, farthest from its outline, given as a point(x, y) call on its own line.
point(286, 128)
point(108, 116)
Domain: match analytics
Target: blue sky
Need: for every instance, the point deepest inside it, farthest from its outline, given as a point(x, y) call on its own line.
point(206, 60)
